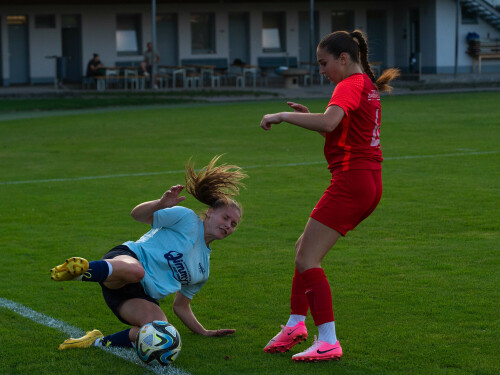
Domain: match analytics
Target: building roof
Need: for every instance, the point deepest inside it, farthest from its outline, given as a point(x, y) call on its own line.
point(102, 2)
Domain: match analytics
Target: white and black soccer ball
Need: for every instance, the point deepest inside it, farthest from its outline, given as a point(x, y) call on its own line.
point(158, 342)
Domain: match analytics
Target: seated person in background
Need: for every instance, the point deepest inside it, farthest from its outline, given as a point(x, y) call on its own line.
point(238, 62)
point(95, 67)
point(146, 64)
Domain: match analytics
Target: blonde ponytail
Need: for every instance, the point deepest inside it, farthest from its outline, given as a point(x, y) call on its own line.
point(214, 185)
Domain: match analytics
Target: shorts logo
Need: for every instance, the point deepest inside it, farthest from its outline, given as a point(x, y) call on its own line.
point(178, 267)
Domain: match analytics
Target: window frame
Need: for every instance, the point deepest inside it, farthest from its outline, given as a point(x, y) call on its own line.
point(203, 39)
point(136, 20)
point(281, 37)
point(45, 21)
point(467, 17)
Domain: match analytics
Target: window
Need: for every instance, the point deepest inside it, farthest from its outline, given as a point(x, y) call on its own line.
point(202, 33)
point(274, 32)
point(45, 21)
point(468, 17)
point(70, 21)
point(343, 20)
point(128, 34)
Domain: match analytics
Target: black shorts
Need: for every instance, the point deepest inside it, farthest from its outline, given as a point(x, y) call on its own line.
point(115, 297)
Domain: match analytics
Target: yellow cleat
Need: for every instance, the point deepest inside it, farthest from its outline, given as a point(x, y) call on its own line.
point(69, 270)
point(83, 342)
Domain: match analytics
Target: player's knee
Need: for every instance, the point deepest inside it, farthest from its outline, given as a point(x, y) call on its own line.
point(300, 262)
point(135, 273)
point(148, 318)
point(297, 245)
point(152, 314)
point(304, 261)
point(139, 274)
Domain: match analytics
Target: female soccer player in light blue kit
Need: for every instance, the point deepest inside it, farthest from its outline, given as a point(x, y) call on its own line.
point(173, 257)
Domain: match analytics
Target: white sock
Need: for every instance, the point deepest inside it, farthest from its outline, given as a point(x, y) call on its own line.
point(327, 333)
point(295, 319)
point(110, 268)
point(98, 341)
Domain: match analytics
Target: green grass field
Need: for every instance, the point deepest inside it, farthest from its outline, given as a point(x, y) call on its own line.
point(415, 286)
point(86, 100)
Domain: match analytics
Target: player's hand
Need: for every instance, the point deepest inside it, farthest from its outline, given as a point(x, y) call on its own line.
point(220, 332)
point(171, 197)
point(269, 120)
point(298, 107)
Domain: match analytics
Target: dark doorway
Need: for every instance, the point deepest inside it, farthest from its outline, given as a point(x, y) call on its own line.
point(343, 20)
point(306, 53)
point(167, 36)
point(377, 36)
point(17, 29)
point(72, 47)
point(239, 37)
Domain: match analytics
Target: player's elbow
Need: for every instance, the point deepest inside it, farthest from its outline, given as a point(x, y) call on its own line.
point(332, 118)
point(137, 216)
point(175, 309)
point(178, 309)
point(181, 305)
point(328, 126)
point(134, 214)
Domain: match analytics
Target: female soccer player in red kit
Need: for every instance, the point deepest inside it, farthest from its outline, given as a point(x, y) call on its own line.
point(351, 127)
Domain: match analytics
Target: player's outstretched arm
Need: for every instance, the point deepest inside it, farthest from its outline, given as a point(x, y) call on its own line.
point(144, 211)
point(302, 109)
point(275, 118)
point(320, 122)
point(182, 308)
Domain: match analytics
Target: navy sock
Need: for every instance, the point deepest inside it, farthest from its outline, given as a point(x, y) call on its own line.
point(117, 339)
point(98, 271)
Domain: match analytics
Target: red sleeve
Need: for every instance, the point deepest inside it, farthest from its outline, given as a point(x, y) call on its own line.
point(347, 94)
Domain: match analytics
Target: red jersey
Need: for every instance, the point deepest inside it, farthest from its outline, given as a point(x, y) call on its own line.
point(355, 142)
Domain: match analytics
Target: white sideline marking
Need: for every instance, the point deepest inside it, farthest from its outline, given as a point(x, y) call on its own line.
point(88, 177)
point(441, 155)
point(127, 354)
point(248, 167)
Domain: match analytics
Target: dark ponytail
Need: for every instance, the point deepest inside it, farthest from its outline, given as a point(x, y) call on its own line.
point(358, 36)
point(356, 46)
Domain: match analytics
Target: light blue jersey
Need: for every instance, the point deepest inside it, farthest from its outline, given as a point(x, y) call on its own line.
point(173, 253)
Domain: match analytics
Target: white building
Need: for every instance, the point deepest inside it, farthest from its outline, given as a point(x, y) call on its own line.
point(410, 35)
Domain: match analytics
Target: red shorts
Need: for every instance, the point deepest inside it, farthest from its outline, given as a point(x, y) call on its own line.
point(351, 197)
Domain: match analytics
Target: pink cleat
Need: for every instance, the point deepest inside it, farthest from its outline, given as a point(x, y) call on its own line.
point(319, 351)
point(287, 338)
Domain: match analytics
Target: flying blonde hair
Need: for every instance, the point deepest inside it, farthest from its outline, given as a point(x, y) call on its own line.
point(214, 185)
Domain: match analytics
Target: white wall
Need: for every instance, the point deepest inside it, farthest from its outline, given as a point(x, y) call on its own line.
point(437, 19)
point(98, 32)
point(99, 24)
point(445, 33)
point(428, 34)
point(4, 43)
point(446, 38)
point(42, 42)
point(39, 49)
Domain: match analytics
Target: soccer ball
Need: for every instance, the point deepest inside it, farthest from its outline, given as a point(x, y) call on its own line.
point(158, 342)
